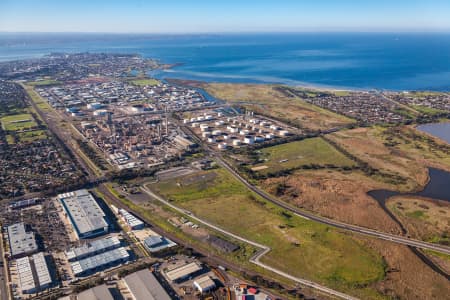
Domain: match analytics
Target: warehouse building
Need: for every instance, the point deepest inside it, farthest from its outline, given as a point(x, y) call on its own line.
point(99, 262)
point(143, 285)
point(85, 215)
point(93, 248)
point(26, 280)
point(34, 274)
point(132, 222)
point(101, 292)
point(157, 243)
point(183, 272)
point(21, 242)
point(204, 284)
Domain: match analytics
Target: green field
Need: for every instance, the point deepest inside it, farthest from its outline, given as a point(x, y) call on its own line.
point(12, 122)
point(314, 151)
point(34, 135)
point(427, 110)
point(144, 82)
point(43, 82)
point(299, 246)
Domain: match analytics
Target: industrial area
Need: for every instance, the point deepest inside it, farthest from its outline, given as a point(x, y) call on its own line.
point(129, 187)
point(56, 244)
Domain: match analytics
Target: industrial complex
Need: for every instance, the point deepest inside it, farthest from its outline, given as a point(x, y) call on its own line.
point(85, 214)
point(143, 285)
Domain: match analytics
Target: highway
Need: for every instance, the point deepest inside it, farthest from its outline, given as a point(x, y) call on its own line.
point(354, 228)
point(256, 258)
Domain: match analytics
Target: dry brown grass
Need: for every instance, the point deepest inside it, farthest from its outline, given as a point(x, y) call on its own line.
point(337, 195)
point(368, 145)
point(424, 219)
point(408, 277)
point(264, 98)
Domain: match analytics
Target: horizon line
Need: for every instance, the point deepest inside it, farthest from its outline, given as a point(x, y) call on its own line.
point(230, 32)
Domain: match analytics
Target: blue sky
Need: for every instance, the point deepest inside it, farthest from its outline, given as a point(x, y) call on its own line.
point(179, 16)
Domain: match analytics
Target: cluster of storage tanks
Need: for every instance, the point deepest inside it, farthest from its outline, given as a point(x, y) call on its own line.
point(235, 131)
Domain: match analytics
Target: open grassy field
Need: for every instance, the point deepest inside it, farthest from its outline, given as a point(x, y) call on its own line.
point(313, 151)
point(265, 99)
point(43, 82)
point(34, 135)
point(427, 110)
point(18, 122)
point(400, 151)
point(425, 219)
point(335, 194)
point(41, 103)
point(144, 82)
point(300, 247)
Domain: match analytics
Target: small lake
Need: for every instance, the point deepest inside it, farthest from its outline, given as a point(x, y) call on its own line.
point(438, 187)
point(440, 130)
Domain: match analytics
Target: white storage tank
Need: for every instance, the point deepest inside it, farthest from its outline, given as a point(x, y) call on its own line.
point(274, 127)
point(100, 112)
point(222, 146)
point(236, 142)
point(244, 132)
point(234, 130)
point(249, 139)
point(284, 133)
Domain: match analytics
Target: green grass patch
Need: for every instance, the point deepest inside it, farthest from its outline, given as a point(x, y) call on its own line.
point(417, 214)
point(18, 122)
point(10, 139)
point(300, 247)
point(31, 136)
point(44, 82)
point(438, 254)
point(144, 82)
point(341, 93)
point(427, 110)
point(313, 151)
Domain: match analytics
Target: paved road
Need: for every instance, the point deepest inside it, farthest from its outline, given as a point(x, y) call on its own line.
point(361, 230)
point(4, 287)
point(256, 258)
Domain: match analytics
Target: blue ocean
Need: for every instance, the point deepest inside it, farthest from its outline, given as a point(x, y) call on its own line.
point(403, 61)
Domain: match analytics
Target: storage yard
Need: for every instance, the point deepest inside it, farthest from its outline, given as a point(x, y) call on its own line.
point(233, 130)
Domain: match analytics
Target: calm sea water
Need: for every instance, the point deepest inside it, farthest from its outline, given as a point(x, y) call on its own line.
point(403, 61)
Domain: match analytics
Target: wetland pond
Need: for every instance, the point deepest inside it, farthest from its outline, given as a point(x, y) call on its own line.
point(438, 187)
point(439, 130)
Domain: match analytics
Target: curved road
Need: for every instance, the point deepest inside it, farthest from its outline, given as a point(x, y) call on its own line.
point(361, 230)
point(256, 258)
